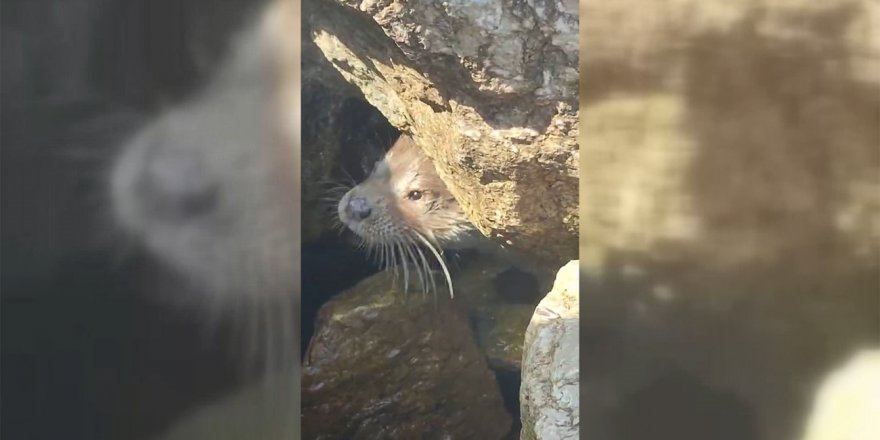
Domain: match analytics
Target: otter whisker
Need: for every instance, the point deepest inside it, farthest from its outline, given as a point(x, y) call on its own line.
point(388, 256)
point(377, 254)
point(424, 267)
point(439, 260)
point(405, 268)
point(402, 206)
point(331, 201)
point(348, 176)
point(373, 253)
point(390, 262)
point(428, 270)
point(382, 257)
point(415, 263)
point(332, 184)
point(339, 189)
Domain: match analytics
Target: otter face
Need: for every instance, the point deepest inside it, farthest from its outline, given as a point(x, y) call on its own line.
point(401, 199)
point(196, 189)
point(402, 208)
point(210, 190)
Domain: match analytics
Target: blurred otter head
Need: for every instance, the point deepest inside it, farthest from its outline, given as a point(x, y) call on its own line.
point(211, 189)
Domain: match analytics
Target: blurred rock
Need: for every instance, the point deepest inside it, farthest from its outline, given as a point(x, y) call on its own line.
point(732, 200)
point(848, 401)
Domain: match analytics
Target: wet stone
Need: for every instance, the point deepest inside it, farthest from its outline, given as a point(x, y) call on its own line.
point(385, 365)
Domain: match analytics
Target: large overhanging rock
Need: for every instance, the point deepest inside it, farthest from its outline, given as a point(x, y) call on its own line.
point(489, 90)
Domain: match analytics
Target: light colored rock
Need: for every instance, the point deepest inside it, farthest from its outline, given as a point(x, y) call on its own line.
point(549, 395)
point(488, 90)
point(847, 403)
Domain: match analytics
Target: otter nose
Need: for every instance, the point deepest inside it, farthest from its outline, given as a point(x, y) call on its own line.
point(358, 208)
point(178, 182)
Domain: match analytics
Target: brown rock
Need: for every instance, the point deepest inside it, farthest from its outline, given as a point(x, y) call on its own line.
point(384, 365)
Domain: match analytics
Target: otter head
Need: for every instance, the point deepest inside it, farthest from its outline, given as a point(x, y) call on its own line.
point(403, 207)
point(210, 189)
point(404, 199)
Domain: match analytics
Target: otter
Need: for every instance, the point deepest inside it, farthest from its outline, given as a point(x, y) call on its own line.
point(404, 206)
point(210, 188)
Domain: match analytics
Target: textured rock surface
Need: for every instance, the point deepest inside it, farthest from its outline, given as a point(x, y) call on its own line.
point(499, 324)
point(731, 208)
point(382, 365)
point(550, 385)
point(489, 91)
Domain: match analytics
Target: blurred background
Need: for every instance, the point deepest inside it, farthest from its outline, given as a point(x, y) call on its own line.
point(88, 351)
point(730, 235)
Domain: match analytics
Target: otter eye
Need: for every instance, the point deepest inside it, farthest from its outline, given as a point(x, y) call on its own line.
point(414, 195)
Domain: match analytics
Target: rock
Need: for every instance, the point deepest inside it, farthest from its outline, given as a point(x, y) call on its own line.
point(848, 401)
point(489, 94)
point(385, 365)
point(499, 323)
point(500, 332)
point(550, 378)
point(732, 234)
point(718, 125)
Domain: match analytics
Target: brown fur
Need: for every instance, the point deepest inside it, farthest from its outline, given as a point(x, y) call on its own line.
point(403, 229)
point(436, 215)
